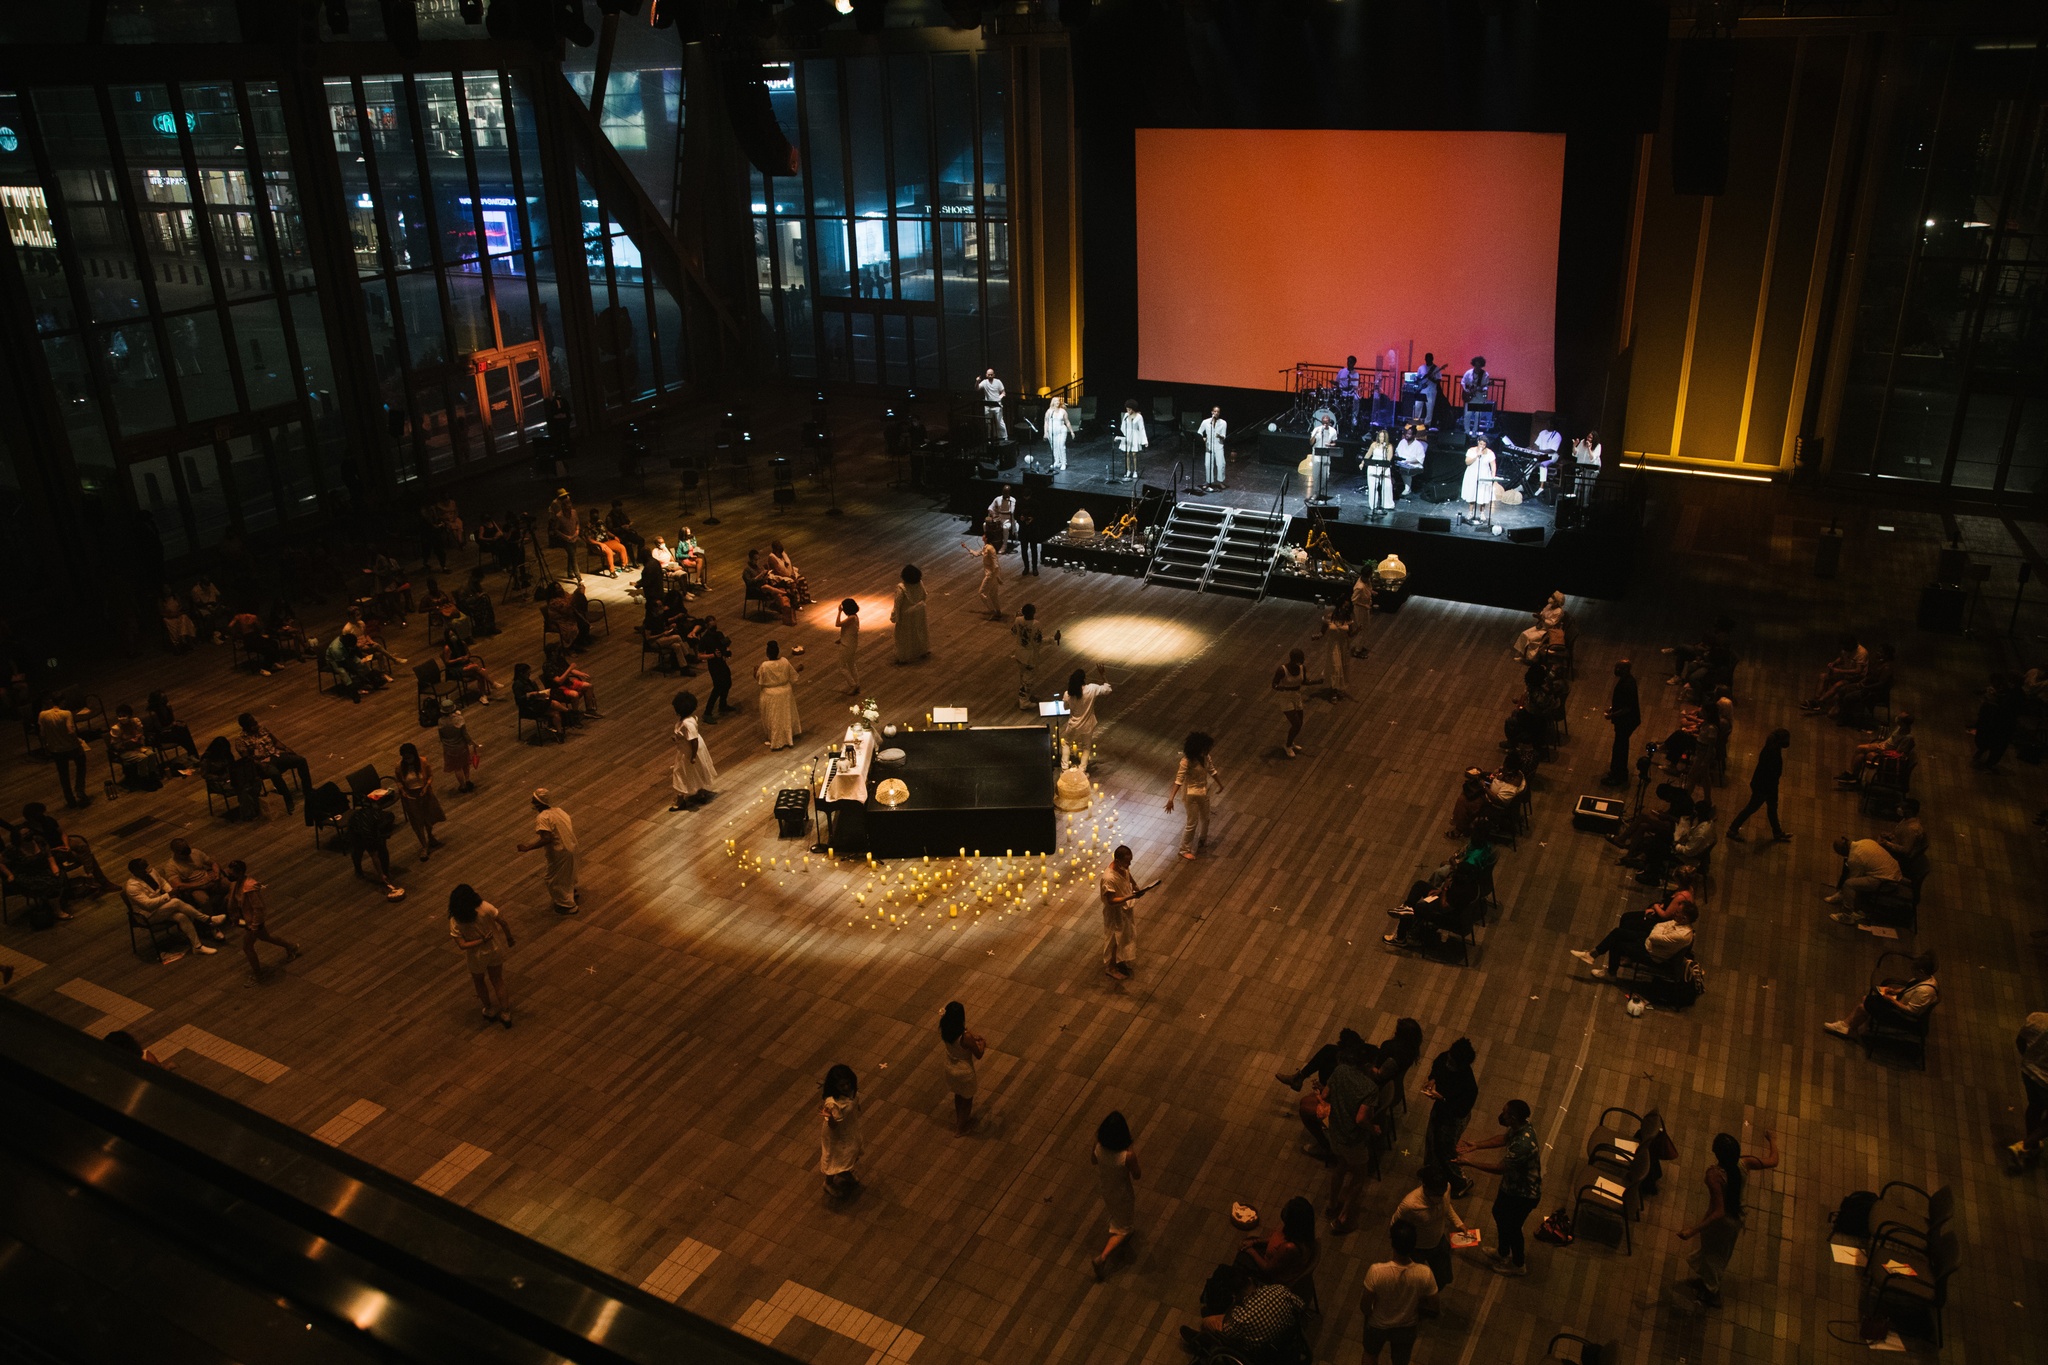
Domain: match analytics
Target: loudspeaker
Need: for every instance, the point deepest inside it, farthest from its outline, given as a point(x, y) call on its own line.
point(986, 471)
point(1570, 513)
point(753, 121)
point(1034, 479)
point(1701, 116)
point(1432, 523)
point(1004, 453)
point(1526, 535)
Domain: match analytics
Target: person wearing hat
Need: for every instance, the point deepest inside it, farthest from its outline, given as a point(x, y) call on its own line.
point(458, 750)
point(553, 831)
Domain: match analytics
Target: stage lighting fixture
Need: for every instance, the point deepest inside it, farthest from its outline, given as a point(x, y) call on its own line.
point(472, 11)
point(868, 15)
point(963, 14)
point(337, 16)
point(571, 23)
point(401, 25)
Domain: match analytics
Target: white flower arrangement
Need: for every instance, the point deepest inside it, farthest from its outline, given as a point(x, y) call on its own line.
point(867, 712)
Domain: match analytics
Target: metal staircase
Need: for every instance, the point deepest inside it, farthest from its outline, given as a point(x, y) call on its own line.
point(1210, 548)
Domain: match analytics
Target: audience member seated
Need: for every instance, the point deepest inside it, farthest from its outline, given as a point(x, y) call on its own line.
point(1907, 841)
point(1693, 836)
point(1896, 743)
point(570, 685)
point(141, 766)
point(33, 872)
point(458, 664)
point(1653, 936)
point(475, 603)
point(785, 574)
point(1867, 867)
point(195, 877)
point(532, 701)
point(759, 584)
point(271, 757)
point(434, 602)
point(151, 895)
point(692, 557)
point(1650, 830)
point(248, 631)
point(163, 726)
point(70, 850)
point(1905, 1003)
point(207, 612)
point(394, 589)
point(1241, 1314)
point(492, 540)
point(1288, 1252)
point(1435, 907)
point(1471, 803)
point(1845, 669)
point(233, 779)
point(1719, 638)
point(620, 523)
point(285, 631)
point(1316, 1071)
point(1854, 701)
point(1545, 691)
point(1548, 629)
point(562, 619)
point(607, 551)
point(365, 638)
point(353, 674)
point(179, 630)
point(1505, 785)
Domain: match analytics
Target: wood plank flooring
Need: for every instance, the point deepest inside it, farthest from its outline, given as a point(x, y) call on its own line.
point(654, 1109)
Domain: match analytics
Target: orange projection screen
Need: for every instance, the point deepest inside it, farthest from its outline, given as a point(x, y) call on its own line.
point(1258, 248)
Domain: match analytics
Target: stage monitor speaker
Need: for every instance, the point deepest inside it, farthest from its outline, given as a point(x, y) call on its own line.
point(1034, 479)
point(1570, 512)
point(1526, 535)
point(1004, 453)
point(1432, 523)
point(1702, 115)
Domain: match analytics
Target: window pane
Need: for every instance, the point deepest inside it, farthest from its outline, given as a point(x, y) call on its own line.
point(668, 321)
point(251, 473)
point(187, 21)
point(548, 322)
point(77, 148)
point(823, 154)
point(65, 357)
point(441, 127)
point(835, 277)
point(469, 319)
point(953, 117)
point(200, 360)
point(528, 148)
point(404, 223)
point(924, 351)
point(871, 258)
point(862, 332)
point(515, 304)
point(425, 343)
point(317, 375)
point(868, 130)
point(895, 349)
point(962, 294)
point(832, 357)
point(914, 258)
point(170, 232)
point(1983, 433)
point(25, 205)
point(142, 401)
point(266, 364)
point(910, 143)
point(994, 172)
point(1002, 340)
point(157, 497)
point(205, 495)
point(294, 457)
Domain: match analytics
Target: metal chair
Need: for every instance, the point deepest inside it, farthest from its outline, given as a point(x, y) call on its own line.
point(1906, 1034)
point(152, 929)
point(1585, 1351)
point(1914, 1282)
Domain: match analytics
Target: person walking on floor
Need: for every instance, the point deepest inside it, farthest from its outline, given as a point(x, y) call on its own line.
point(459, 752)
point(1429, 1214)
point(1454, 1091)
point(67, 749)
point(848, 625)
point(1030, 644)
point(555, 832)
point(692, 773)
point(1338, 623)
point(1393, 1299)
point(1624, 713)
point(1521, 1183)
point(1763, 786)
point(907, 615)
point(2032, 1043)
point(1030, 537)
point(963, 1050)
point(1082, 696)
point(482, 934)
point(416, 794)
point(1115, 1158)
point(776, 677)
point(715, 650)
point(1721, 1226)
point(1119, 923)
point(249, 902)
point(1192, 780)
point(991, 589)
point(1290, 680)
point(840, 1148)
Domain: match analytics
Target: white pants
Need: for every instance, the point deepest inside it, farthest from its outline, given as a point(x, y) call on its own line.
point(1379, 487)
point(1058, 441)
point(1318, 473)
point(992, 421)
point(1119, 936)
point(1197, 830)
point(1213, 462)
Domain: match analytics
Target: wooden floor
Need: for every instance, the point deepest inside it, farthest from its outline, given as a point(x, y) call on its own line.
point(654, 1111)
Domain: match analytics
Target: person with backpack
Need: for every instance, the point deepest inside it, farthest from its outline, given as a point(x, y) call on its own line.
point(1721, 1226)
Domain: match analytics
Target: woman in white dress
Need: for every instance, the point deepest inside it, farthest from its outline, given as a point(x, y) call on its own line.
point(1549, 617)
point(1337, 626)
point(839, 1144)
point(963, 1050)
point(482, 934)
point(777, 679)
point(1290, 679)
point(1479, 476)
point(1379, 473)
point(1058, 427)
point(1116, 1170)
point(913, 640)
point(991, 589)
point(1082, 721)
point(693, 772)
point(848, 625)
point(1131, 438)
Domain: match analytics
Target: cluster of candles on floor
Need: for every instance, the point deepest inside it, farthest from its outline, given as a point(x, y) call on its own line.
point(957, 890)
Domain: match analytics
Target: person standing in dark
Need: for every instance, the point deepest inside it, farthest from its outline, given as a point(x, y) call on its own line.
point(1763, 785)
point(1454, 1088)
point(1030, 536)
point(1624, 713)
point(714, 649)
point(1998, 717)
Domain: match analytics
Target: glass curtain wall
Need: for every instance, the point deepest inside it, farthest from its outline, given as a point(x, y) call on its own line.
point(1946, 382)
point(888, 260)
point(442, 181)
point(158, 231)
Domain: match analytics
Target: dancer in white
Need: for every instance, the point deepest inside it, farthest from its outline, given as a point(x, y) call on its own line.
point(1058, 427)
point(1131, 438)
point(693, 772)
point(992, 407)
point(1585, 463)
point(1322, 444)
point(1337, 626)
point(1379, 473)
point(1193, 779)
point(991, 589)
point(1082, 722)
point(1479, 478)
point(1212, 431)
point(848, 625)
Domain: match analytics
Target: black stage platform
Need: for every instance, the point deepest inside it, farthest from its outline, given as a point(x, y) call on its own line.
point(1590, 556)
point(987, 791)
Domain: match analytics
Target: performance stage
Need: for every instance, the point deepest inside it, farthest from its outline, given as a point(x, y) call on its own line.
point(983, 790)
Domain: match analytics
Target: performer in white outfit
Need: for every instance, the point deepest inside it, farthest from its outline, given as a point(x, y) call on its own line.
point(1585, 462)
point(992, 407)
point(1212, 432)
point(1412, 451)
point(1426, 378)
point(1058, 427)
point(991, 590)
point(1479, 478)
point(1379, 473)
point(1322, 444)
point(692, 773)
point(1550, 442)
point(1002, 519)
point(1477, 389)
point(848, 625)
point(1131, 439)
point(1082, 722)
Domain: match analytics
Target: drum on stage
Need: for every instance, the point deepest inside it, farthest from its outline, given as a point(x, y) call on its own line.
point(1316, 418)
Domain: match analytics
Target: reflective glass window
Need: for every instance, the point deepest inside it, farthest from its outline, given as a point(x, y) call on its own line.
point(142, 399)
point(316, 375)
point(75, 392)
point(31, 232)
point(249, 467)
point(199, 359)
point(76, 143)
point(206, 497)
point(909, 139)
point(266, 364)
point(824, 156)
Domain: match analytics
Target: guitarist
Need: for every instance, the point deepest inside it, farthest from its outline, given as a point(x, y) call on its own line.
point(1120, 892)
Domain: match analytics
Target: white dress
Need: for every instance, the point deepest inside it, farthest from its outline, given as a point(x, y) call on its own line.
point(1478, 466)
point(913, 641)
point(777, 678)
point(960, 1067)
point(1133, 439)
point(1082, 721)
point(1119, 1196)
point(839, 1144)
point(1058, 427)
point(849, 651)
point(693, 771)
point(991, 580)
